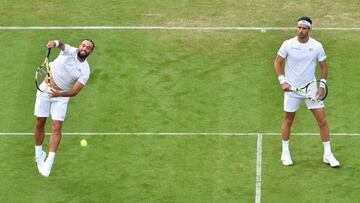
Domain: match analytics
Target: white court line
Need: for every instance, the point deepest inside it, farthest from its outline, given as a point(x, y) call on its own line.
point(177, 133)
point(258, 169)
point(260, 28)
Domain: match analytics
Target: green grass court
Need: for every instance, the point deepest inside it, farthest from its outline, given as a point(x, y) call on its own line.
point(178, 81)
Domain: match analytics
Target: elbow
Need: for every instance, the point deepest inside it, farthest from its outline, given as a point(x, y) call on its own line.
point(74, 94)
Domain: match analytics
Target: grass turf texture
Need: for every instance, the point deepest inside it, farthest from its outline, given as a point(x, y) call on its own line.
point(179, 13)
point(169, 81)
point(309, 180)
point(165, 81)
point(133, 169)
point(178, 81)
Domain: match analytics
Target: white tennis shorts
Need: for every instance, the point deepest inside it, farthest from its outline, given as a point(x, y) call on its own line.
point(292, 102)
point(46, 106)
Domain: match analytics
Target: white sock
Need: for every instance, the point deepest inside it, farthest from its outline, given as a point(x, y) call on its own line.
point(38, 150)
point(285, 145)
point(327, 147)
point(51, 158)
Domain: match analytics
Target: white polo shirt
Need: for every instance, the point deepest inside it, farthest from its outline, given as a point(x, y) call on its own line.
point(300, 60)
point(66, 69)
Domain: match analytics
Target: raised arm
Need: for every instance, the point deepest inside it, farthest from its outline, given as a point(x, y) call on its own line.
point(56, 43)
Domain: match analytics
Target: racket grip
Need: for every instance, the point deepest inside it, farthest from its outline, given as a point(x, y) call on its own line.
point(48, 53)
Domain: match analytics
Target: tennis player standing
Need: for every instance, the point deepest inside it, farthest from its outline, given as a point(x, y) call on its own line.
point(69, 73)
point(301, 55)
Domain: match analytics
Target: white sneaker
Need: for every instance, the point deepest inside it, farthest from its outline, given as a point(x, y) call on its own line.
point(46, 169)
point(40, 160)
point(330, 159)
point(286, 158)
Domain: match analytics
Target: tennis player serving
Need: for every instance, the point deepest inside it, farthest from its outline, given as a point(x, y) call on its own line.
point(301, 55)
point(69, 73)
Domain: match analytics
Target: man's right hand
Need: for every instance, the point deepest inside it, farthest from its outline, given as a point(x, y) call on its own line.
point(286, 87)
point(51, 44)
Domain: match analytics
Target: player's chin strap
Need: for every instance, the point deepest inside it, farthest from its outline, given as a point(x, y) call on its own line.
point(322, 83)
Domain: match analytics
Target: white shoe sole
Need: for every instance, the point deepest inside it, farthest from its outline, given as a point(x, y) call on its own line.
point(333, 166)
point(45, 170)
point(285, 163)
point(45, 173)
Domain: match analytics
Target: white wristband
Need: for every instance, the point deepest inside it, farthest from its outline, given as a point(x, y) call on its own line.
point(282, 79)
point(56, 43)
point(323, 83)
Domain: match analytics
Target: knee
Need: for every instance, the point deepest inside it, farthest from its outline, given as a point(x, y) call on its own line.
point(56, 126)
point(288, 121)
point(40, 123)
point(322, 122)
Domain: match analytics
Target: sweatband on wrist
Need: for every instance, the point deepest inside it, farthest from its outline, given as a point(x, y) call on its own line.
point(56, 43)
point(322, 83)
point(282, 79)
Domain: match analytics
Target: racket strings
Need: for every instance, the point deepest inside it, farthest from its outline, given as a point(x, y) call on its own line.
point(317, 90)
point(42, 73)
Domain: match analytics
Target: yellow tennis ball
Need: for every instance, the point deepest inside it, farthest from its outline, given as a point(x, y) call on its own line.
point(83, 143)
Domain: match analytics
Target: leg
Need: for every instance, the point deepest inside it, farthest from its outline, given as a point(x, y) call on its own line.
point(321, 121)
point(58, 112)
point(285, 135)
point(39, 134)
point(291, 104)
point(55, 137)
point(54, 142)
point(328, 157)
point(39, 130)
point(286, 125)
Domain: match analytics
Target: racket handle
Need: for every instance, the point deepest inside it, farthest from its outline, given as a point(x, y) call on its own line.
point(48, 53)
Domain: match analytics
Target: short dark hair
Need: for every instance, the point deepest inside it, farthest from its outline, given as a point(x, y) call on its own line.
point(92, 42)
point(306, 19)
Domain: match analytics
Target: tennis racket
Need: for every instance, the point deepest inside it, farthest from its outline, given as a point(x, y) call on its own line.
point(42, 74)
point(315, 90)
